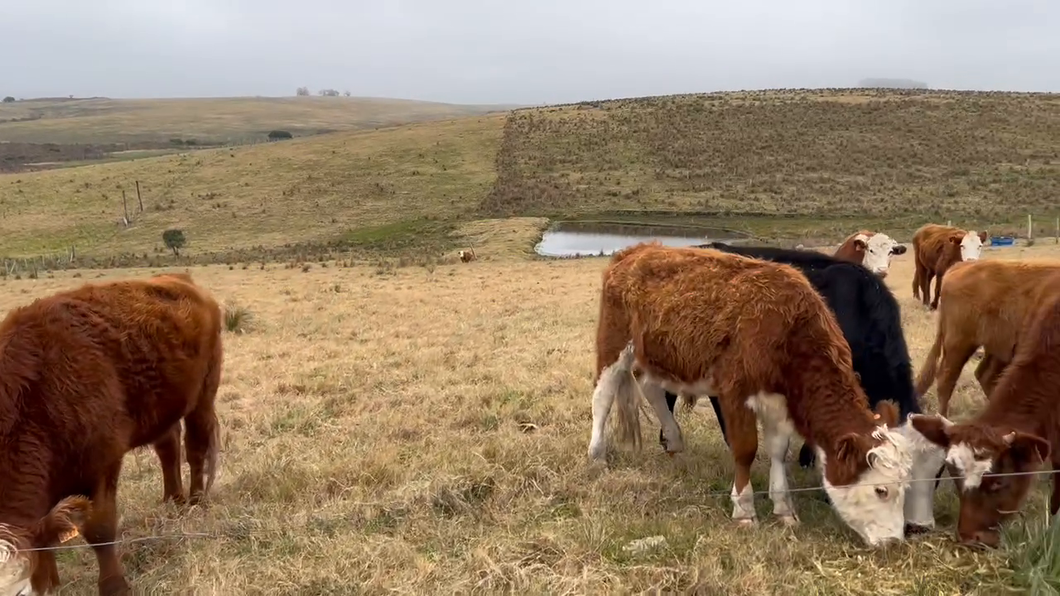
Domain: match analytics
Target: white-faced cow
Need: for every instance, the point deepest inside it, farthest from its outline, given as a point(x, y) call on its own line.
point(983, 303)
point(937, 248)
point(756, 334)
point(872, 250)
point(1017, 432)
point(871, 322)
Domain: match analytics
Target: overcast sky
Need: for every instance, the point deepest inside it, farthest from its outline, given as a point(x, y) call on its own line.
point(518, 51)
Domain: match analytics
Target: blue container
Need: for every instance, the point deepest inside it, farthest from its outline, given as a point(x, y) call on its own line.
point(1002, 241)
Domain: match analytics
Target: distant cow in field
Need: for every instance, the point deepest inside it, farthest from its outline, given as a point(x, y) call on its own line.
point(984, 303)
point(466, 256)
point(937, 248)
point(756, 334)
point(872, 250)
point(1017, 432)
point(86, 376)
point(871, 322)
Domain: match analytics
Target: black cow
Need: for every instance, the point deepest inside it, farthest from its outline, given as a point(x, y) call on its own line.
point(870, 319)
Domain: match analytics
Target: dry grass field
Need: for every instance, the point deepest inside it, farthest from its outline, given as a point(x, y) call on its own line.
point(797, 166)
point(425, 431)
point(209, 120)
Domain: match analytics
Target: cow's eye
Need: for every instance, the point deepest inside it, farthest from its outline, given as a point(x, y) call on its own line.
point(881, 492)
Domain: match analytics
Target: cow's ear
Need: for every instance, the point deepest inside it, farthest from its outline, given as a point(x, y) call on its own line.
point(1029, 451)
point(955, 239)
point(861, 242)
point(982, 237)
point(63, 522)
point(887, 413)
point(934, 428)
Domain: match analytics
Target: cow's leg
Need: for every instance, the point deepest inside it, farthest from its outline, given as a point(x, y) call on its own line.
point(671, 432)
point(807, 455)
point(46, 575)
point(777, 430)
point(721, 418)
point(1054, 500)
point(100, 531)
point(743, 442)
point(671, 401)
point(918, 273)
point(200, 441)
point(954, 357)
point(925, 287)
point(938, 289)
point(168, 450)
point(988, 372)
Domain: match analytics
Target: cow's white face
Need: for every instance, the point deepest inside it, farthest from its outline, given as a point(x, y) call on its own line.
point(874, 505)
point(878, 250)
point(14, 570)
point(971, 246)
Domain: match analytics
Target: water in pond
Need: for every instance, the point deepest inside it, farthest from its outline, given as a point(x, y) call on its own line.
point(588, 242)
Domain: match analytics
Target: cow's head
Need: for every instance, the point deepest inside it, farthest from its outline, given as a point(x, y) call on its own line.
point(866, 477)
point(970, 244)
point(876, 251)
point(19, 560)
point(980, 455)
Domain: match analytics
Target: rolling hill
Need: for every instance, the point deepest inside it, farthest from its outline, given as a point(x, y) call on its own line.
point(780, 164)
point(209, 120)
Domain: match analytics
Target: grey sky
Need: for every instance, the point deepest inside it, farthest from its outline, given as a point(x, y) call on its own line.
point(518, 51)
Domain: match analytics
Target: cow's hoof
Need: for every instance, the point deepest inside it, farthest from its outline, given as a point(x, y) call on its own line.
point(914, 529)
point(746, 522)
point(806, 458)
point(788, 520)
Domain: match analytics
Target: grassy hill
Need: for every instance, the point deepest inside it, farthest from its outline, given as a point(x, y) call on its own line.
point(209, 120)
point(884, 155)
point(806, 164)
point(408, 183)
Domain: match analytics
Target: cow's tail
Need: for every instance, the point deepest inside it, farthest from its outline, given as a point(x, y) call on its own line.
point(931, 364)
point(620, 380)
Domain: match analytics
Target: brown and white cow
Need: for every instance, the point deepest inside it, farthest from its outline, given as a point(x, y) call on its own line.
point(87, 375)
point(754, 333)
point(872, 250)
point(1017, 432)
point(984, 303)
point(937, 248)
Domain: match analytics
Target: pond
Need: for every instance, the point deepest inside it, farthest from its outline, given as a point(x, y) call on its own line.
point(569, 239)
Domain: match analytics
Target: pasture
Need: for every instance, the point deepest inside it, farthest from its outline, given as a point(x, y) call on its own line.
point(424, 430)
point(209, 120)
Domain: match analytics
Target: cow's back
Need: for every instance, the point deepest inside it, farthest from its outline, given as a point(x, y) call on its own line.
point(110, 364)
point(713, 302)
point(989, 300)
point(929, 242)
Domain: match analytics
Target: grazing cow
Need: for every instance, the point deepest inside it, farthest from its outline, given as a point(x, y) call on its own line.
point(983, 304)
point(937, 248)
point(466, 256)
point(1017, 432)
point(873, 250)
point(86, 376)
point(757, 335)
point(871, 322)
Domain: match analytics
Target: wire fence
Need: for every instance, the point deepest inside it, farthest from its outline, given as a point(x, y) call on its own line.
point(259, 532)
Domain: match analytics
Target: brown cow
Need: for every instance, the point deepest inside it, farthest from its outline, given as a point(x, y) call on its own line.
point(937, 248)
point(86, 376)
point(757, 335)
point(873, 250)
point(466, 256)
point(1017, 432)
point(983, 304)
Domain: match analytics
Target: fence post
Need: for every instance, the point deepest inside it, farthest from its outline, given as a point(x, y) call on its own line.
point(1056, 238)
point(1030, 227)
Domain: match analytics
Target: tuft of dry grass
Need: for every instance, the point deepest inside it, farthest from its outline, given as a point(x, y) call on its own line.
point(428, 433)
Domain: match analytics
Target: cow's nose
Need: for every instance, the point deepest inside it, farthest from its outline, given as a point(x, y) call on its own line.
point(981, 538)
point(882, 274)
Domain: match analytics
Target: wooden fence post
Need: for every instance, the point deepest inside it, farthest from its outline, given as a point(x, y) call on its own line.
point(138, 197)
